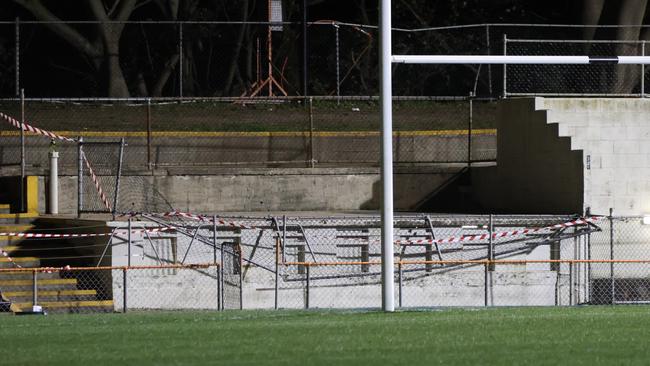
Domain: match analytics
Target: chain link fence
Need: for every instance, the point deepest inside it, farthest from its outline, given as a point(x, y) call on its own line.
point(317, 132)
point(222, 59)
point(334, 262)
point(574, 80)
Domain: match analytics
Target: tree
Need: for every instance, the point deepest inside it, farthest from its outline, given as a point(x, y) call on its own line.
point(101, 47)
point(629, 15)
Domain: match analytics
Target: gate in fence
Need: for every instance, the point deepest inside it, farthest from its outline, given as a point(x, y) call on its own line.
point(98, 177)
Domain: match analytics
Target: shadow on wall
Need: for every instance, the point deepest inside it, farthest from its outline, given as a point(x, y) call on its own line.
point(446, 193)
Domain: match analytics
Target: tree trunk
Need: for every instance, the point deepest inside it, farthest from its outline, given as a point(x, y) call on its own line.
point(631, 13)
point(117, 87)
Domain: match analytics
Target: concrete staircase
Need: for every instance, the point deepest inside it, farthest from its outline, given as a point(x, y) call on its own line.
point(57, 292)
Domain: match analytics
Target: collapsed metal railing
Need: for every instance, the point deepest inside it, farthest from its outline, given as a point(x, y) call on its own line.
point(333, 262)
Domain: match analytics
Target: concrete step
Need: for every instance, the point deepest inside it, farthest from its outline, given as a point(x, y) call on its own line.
point(51, 295)
point(27, 275)
point(52, 284)
point(5, 208)
point(15, 228)
point(25, 262)
point(9, 248)
point(91, 306)
point(9, 240)
point(18, 218)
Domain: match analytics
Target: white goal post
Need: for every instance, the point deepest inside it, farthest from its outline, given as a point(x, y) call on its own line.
point(386, 101)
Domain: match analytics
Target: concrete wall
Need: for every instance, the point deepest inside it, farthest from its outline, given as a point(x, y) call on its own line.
point(613, 134)
point(537, 171)
point(262, 190)
point(561, 155)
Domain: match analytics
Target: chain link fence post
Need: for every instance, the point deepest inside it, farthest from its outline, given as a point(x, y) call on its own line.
point(124, 290)
point(307, 284)
point(17, 58)
point(34, 289)
point(469, 130)
point(22, 150)
point(311, 132)
point(80, 176)
point(611, 255)
point(505, 53)
point(149, 165)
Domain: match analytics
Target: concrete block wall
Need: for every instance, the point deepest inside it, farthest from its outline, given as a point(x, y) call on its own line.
point(614, 135)
point(537, 170)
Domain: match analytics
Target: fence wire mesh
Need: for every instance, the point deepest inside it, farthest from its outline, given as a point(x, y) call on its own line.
point(334, 262)
point(318, 132)
point(595, 79)
point(179, 59)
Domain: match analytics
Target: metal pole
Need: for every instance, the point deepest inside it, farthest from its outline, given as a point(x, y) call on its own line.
point(149, 133)
point(124, 289)
point(505, 52)
point(54, 182)
point(400, 283)
point(490, 253)
point(284, 237)
point(311, 132)
point(487, 39)
point(80, 176)
point(570, 283)
point(17, 59)
point(128, 250)
point(241, 278)
point(223, 303)
point(22, 150)
point(386, 99)
point(180, 60)
point(214, 239)
point(469, 131)
point(308, 267)
point(304, 48)
point(588, 275)
point(485, 284)
point(118, 178)
point(611, 254)
point(34, 288)
point(338, 69)
point(277, 265)
point(219, 288)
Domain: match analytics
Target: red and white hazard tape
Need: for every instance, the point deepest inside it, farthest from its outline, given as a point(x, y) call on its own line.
point(52, 135)
point(5, 254)
point(203, 218)
point(84, 235)
point(26, 127)
point(93, 176)
point(498, 235)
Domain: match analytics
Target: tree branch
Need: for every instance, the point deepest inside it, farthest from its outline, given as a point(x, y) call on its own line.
point(63, 30)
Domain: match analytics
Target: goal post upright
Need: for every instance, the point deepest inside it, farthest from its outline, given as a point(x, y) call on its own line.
point(386, 202)
point(386, 100)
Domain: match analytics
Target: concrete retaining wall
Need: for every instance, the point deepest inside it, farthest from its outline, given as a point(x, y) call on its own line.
point(261, 190)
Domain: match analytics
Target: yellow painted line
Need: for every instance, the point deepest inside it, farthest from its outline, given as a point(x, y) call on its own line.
point(50, 293)
point(23, 215)
point(67, 304)
point(18, 259)
point(56, 281)
point(180, 134)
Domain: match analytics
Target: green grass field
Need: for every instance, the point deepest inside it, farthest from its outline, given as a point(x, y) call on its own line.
point(495, 336)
